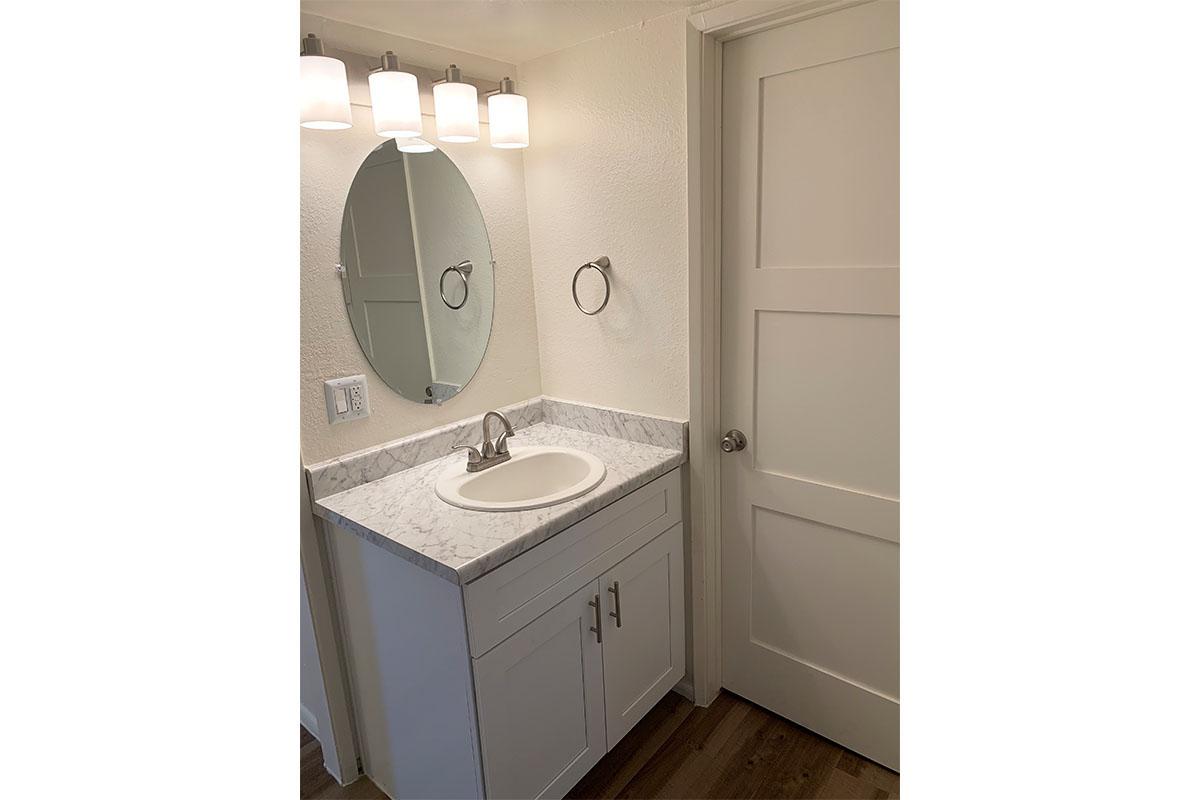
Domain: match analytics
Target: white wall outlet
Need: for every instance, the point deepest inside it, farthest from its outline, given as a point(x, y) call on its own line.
point(346, 399)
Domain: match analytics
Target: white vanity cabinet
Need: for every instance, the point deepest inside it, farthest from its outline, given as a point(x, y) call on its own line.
point(561, 692)
point(540, 695)
point(553, 682)
point(643, 658)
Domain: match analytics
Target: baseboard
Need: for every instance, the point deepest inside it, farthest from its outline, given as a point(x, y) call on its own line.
point(309, 721)
point(685, 688)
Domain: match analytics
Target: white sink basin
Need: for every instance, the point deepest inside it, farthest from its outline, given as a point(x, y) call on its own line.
point(533, 478)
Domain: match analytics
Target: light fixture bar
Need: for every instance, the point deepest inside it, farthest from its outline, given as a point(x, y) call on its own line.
point(312, 45)
point(507, 86)
point(388, 62)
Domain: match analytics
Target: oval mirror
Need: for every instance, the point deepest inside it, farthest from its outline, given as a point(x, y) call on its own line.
point(417, 272)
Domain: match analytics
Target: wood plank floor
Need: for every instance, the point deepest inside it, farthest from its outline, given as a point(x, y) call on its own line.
point(732, 749)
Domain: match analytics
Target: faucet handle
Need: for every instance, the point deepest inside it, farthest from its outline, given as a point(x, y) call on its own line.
point(473, 455)
point(502, 442)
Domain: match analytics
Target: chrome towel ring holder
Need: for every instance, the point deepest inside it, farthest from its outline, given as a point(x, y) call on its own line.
point(462, 269)
point(601, 265)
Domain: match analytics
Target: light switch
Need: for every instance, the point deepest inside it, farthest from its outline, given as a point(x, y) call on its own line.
point(346, 399)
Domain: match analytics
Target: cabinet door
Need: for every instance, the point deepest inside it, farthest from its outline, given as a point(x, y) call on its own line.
point(540, 697)
point(643, 658)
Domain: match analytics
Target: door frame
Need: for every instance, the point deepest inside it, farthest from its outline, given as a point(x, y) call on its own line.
point(706, 33)
point(342, 754)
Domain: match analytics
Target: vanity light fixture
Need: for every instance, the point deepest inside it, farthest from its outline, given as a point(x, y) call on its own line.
point(414, 145)
point(324, 93)
point(508, 116)
point(395, 99)
point(456, 105)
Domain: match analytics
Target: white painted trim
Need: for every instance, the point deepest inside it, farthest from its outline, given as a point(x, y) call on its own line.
point(309, 720)
point(706, 31)
point(684, 689)
point(744, 17)
point(341, 753)
point(704, 340)
point(328, 754)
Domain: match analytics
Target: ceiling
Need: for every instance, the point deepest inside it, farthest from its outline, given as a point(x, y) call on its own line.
point(512, 31)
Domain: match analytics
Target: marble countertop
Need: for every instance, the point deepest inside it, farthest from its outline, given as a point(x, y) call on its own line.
point(402, 514)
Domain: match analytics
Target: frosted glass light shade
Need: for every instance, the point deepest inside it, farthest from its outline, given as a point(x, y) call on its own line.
point(457, 109)
point(414, 146)
point(508, 119)
point(324, 94)
point(395, 104)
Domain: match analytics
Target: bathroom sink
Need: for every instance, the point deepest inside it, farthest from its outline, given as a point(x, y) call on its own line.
point(533, 478)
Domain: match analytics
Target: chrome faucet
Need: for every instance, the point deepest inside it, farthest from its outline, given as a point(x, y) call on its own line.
point(492, 454)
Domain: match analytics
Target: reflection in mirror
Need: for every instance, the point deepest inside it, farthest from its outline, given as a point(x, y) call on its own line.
point(417, 272)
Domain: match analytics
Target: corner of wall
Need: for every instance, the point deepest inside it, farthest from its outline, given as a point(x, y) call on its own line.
point(606, 174)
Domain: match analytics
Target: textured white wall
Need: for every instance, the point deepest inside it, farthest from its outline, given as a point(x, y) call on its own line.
point(328, 349)
point(606, 174)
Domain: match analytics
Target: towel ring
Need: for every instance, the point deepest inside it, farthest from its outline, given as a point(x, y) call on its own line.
point(462, 269)
point(601, 265)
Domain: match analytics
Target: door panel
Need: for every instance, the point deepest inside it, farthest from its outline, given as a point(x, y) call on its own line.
point(810, 582)
point(643, 658)
point(849, 212)
point(540, 696)
point(810, 370)
point(831, 414)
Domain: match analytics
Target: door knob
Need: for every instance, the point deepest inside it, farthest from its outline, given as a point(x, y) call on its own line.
point(734, 440)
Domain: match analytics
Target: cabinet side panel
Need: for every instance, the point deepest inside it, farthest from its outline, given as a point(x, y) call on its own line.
point(410, 672)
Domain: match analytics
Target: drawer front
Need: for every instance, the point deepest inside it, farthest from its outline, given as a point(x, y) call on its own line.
point(511, 596)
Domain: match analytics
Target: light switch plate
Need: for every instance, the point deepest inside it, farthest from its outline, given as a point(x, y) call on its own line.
point(352, 391)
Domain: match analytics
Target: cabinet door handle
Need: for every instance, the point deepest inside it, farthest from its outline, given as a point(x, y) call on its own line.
point(595, 603)
point(616, 592)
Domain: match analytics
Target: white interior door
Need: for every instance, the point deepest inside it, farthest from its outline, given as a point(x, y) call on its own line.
point(810, 372)
point(540, 699)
